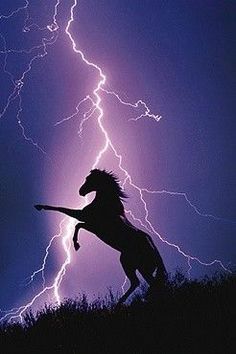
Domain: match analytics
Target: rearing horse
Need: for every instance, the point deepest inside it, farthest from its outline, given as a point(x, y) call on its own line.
point(105, 217)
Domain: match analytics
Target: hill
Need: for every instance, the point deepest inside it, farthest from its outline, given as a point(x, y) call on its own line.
point(197, 316)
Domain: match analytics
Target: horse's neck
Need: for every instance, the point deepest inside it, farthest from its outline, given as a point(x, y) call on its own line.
point(112, 201)
point(105, 197)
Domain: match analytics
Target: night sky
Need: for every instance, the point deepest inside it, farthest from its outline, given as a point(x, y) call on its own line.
point(178, 57)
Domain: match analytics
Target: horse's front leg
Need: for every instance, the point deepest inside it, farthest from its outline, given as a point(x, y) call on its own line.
point(75, 237)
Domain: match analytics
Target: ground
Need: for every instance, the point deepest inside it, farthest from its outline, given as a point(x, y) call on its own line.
point(188, 317)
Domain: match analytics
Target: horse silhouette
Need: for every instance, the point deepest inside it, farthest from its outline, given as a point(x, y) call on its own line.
point(105, 217)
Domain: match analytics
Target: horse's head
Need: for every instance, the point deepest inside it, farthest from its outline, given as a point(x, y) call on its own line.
point(102, 181)
point(92, 183)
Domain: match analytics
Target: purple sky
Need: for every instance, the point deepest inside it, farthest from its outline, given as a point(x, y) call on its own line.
point(178, 56)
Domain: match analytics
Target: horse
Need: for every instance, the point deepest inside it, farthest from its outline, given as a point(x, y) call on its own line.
point(105, 217)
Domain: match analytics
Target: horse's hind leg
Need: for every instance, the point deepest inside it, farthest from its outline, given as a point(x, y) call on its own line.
point(157, 281)
point(148, 275)
point(130, 272)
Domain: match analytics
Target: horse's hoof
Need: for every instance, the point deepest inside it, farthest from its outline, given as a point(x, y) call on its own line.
point(76, 246)
point(38, 207)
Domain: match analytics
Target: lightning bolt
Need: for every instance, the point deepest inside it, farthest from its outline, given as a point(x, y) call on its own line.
point(67, 225)
point(18, 83)
point(42, 268)
point(25, 7)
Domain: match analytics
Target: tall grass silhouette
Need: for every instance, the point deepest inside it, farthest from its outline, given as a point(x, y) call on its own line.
point(191, 316)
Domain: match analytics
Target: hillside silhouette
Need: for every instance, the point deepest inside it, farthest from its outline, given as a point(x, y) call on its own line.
point(195, 316)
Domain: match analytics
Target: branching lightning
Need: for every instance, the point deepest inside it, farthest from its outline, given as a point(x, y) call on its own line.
point(41, 270)
point(95, 111)
point(19, 82)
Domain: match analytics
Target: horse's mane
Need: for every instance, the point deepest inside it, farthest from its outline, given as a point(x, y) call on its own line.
point(110, 181)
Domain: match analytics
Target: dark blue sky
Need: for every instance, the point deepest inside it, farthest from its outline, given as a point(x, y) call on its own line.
point(179, 57)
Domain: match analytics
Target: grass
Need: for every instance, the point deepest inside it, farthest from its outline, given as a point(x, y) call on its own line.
point(197, 316)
